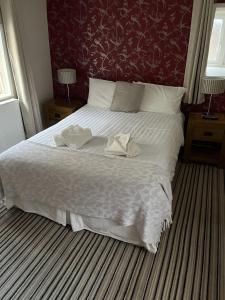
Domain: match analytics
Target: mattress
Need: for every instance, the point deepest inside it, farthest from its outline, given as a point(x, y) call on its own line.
point(159, 137)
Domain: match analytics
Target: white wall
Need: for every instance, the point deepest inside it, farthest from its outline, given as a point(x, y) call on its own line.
point(11, 127)
point(33, 25)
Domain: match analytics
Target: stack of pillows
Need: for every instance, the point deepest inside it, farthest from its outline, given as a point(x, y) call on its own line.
point(133, 97)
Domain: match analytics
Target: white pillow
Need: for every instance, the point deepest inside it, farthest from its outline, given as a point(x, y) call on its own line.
point(161, 98)
point(101, 92)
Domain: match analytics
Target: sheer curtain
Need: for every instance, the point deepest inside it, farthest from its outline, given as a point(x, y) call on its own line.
point(23, 76)
point(201, 28)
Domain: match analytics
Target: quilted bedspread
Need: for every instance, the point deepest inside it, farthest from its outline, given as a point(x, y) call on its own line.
point(127, 191)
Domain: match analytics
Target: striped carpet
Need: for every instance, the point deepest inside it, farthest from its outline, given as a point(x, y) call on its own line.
point(40, 259)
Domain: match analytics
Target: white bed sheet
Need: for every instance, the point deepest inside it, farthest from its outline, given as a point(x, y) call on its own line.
point(162, 132)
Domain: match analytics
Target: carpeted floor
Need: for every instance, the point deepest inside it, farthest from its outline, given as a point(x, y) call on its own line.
point(40, 259)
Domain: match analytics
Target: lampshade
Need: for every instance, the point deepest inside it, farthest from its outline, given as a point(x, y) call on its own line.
point(212, 85)
point(66, 76)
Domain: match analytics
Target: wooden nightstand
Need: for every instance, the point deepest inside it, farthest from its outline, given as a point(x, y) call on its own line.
point(58, 109)
point(205, 140)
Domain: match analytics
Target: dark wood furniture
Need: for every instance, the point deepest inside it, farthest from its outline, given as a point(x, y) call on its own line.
point(205, 140)
point(57, 109)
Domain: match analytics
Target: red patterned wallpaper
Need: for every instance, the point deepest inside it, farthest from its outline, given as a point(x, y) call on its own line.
point(128, 40)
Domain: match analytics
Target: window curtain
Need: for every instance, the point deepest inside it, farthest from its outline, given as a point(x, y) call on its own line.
point(201, 28)
point(22, 72)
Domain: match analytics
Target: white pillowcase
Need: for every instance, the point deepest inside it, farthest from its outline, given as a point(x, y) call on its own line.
point(161, 98)
point(101, 92)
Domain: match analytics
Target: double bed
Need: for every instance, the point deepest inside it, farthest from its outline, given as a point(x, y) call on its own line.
point(33, 180)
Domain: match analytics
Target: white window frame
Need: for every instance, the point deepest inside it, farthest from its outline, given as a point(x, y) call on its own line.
point(8, 64)
point(219, 66)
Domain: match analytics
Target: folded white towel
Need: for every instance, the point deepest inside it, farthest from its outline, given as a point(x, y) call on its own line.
point(73, 136)
point(58, 139)
point(121, 144)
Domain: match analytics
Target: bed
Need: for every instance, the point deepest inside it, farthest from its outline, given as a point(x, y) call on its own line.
point(26, 177)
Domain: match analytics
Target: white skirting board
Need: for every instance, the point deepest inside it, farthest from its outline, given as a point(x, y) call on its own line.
point(11, 126)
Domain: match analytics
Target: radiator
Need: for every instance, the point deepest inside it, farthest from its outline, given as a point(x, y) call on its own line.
point(11, 126)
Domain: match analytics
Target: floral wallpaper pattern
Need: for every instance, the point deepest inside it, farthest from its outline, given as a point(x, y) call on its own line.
point(144, 40)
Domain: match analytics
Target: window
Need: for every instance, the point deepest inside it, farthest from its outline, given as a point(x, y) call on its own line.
point(6, 80)
point(216, 57)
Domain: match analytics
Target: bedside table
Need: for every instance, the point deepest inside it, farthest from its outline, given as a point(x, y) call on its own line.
point(58, 109)
point(205, 140)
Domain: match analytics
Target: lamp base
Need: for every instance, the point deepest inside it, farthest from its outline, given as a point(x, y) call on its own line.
point(209, 116)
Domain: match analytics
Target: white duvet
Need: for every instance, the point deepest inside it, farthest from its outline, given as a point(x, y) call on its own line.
point(160, 135)
point(129, 191)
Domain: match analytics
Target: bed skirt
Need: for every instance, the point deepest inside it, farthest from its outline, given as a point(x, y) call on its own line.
point(77, 222)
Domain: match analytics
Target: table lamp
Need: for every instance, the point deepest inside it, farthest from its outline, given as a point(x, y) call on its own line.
point(67, 76)
point(212, 86)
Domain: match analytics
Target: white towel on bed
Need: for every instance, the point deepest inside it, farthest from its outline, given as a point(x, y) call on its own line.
point(73, 136)
point(121, 144)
